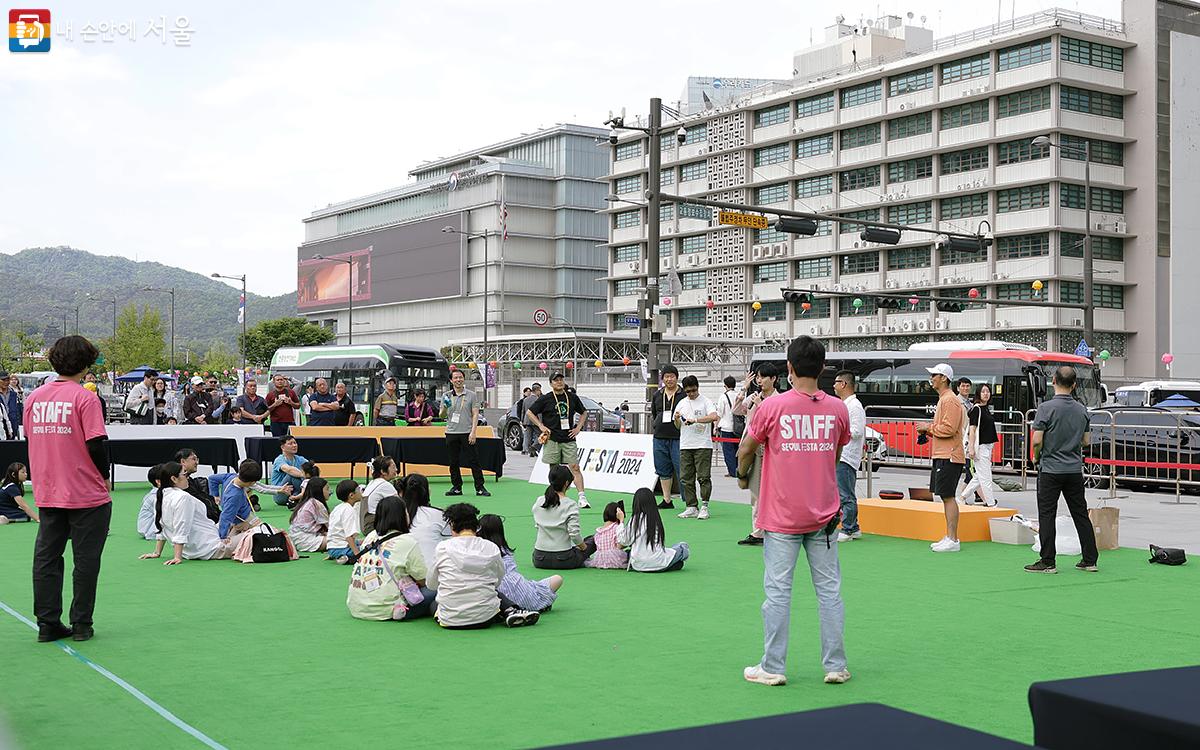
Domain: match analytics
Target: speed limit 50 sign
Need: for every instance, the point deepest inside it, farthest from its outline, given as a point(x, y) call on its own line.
point(541, 317)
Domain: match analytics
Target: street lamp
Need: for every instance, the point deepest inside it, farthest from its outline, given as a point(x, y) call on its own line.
point(242, 315)
point(112, 302)
point(1089, 316)
point(170, 291)
point(349, 293)
point(475, 235)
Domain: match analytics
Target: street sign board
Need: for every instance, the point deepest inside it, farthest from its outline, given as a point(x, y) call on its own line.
point(541, 317)
point(736, 219)
point(633, 321)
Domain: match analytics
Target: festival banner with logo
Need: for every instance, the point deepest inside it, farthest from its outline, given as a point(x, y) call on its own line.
point(621, 462)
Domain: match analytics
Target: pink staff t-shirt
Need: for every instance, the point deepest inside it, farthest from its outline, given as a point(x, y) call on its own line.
point(801, 434)
point(60, 417)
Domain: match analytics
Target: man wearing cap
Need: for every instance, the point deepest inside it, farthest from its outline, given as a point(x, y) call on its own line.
point(949, 459)
point(10, 410)
point(387, 405)
point(530, 444)
point(198, 405)
point(140, 401)
point(554, 416)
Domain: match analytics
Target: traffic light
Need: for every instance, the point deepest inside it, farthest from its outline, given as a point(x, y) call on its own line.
point(966, 244)
point(797, 298)
point(888, 303)
point(792, 225)
point(877, 234)
point(950, 307)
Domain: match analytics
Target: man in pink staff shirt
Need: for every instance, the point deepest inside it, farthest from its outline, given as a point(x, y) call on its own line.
point(802, 431)
point(68, 465)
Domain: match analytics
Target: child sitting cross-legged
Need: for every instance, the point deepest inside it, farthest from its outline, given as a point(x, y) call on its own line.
point(388, 580)
point(526, 594)
point(609, 554)
point(342, 542)
point(13, 508)
point(309, 523)
point(646, 539)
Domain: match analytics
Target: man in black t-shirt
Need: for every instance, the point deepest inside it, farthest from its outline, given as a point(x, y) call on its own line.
point(346, 408)
point(555, 415)
point(666, 433)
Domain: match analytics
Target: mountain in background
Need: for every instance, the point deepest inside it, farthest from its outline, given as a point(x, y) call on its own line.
point(41, 283)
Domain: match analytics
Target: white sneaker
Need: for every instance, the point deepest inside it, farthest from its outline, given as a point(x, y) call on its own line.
point(844, 537)
point(762, 676)
point(583, 503)
point(939, 543)
point(947, 545)
point(690, 513)
point(837, 678)
point(703, 514)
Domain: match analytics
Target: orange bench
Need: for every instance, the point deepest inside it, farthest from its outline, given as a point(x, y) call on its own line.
point(918, 519)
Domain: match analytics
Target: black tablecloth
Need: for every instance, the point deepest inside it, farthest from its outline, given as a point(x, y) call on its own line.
point(339, 450)
point(1154, 709)
point(212, 451)
point(12, 451)
point(433, 451)
point(862, 726)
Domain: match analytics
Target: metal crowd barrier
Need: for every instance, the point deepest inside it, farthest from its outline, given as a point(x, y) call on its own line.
point(1135, 448)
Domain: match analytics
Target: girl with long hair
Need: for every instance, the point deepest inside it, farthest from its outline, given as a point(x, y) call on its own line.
point(981, 439)
point(645, 537)
point(388, 580)
point(309, 523)
point(13, 508)
point(559, 545)
point(383, 471)
point(167, 395)
point(429, 525)
point(183, 521)
point(526, 594)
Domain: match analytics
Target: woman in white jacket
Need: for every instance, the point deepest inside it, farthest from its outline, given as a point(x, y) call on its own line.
point(183, 521)
point(383, 471)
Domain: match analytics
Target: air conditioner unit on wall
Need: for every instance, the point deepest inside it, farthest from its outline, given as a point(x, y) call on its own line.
point(665, 263)
point(693, 260)
point(864, 327)
point(941, 324)
point(816, 331)
point(922, 325)
point(635, 266)
point(907, 326)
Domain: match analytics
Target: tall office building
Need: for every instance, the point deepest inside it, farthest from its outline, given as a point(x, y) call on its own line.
point(938, 134)
point(535, 197)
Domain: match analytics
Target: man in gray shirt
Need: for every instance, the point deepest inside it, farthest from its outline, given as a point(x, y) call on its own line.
point(530, 442)
point(1060, 431)
point(460, 409)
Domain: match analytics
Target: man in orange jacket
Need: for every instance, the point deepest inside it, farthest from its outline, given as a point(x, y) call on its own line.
point(948, 458)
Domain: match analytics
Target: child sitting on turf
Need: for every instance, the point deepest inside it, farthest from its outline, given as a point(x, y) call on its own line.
point(237, 504)
point(428, 525)
point(145, 522)
point(310, 471)
point(309, 523)
point(645, 537)
point(344, 528)
point(526, 594)
point(388, 580)
point(13, 508)
point(466, 574)
point(608, 553)
point(183, 520)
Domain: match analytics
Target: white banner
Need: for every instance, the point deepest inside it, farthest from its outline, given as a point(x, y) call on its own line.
point(621, 462)
point(149, 432)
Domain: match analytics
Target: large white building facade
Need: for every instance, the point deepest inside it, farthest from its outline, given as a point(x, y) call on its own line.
point(941, 138)
point(415, 284)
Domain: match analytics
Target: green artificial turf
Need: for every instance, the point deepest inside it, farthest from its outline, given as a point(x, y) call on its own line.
point(267, 656)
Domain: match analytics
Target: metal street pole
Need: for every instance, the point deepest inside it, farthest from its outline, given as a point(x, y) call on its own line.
point(1089, 315)
point(653, 191)
point(244, 315)
point(485, 319)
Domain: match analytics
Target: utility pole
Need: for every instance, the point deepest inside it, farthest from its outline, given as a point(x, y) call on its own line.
point(653, 195)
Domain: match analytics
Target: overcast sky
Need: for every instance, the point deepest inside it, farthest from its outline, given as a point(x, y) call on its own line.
point(208, 157)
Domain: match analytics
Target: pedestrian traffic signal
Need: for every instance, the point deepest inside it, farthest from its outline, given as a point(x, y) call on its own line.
point(966, 244)
point(888, 303)
point(876, 234)
point(797, 297)
point(951, 307)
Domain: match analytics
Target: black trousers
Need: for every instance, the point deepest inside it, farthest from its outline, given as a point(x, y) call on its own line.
point(459, 447)
point(568, 559)
point(87, 530)
point(507, 607)
point(1049, 486)
point(279, 429)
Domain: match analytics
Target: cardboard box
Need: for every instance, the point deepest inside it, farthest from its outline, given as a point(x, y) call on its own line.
point(1007, 531)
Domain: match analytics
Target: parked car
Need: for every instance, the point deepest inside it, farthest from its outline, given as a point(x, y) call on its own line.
point(513, 427)
point(1142, 434)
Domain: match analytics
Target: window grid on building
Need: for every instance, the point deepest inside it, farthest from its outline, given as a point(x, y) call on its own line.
point(770, 272)
point(1092, 102)
point(917, 80)
point(628, 150)
point(1022, 198)
point(964, 114)
point(1019, 291)
point(968, 67)
point(904, 127)
point(814, 105)
point(1103, 199)
point(911, 213)
point(856, 179)
point(626, 287)
point(695, 134)
point(815, 146)
point(666, 212)
point(1103, 248)
point(860, 262)
point(1092, 53)
point(863, 135)
point(764, 118)
point(814, 268)
point(770, 194)
point(901, 258)
point(666, 177)
point(1114, 343)
point(629, 184)
point(824, 228)
point(1023, 246)
point(666, 142)
point(965, 160)
point(1030, 53)
point(626, 219)
point(694, 279)
point(813, 186)
point(862, 94)
point(1102, 152)
point(848, 227)
point(768, 236)
point(694, 244)
point(1015, 152)
point(771, 155)
point(627, 253)
point(910, 169)
point(1022, 102)
point(962, 206)
point(693, 316)
point(770, 312)
point(666, 247)
point(949, 256)
point(1103, 295)
point(697, 170)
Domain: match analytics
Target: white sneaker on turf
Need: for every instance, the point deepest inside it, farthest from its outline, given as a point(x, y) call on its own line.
point(703, 514)
point(762, 676)
point(690, 513)
point(938, 543)
point(947, 545)
point(844, 537)
point(837, 678)
point(583, 503)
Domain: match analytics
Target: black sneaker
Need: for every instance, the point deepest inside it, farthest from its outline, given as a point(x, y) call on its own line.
point(1041, 566)
point(254, 504)
point(751, 541)
point(53, 632)
point(483, 493)
point(1081, 565)
point(82, 633)
point(665, 504)
point(454, 492)
point(520, 618)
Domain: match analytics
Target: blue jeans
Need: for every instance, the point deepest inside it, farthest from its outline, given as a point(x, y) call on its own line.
point(682, 552)
point(846, 478)
point(729, 451)
point(666, 457)
point(334, 553)
point(780, 552)
point(428, 606)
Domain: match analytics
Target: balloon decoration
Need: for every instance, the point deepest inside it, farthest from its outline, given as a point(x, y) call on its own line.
point(472, 365)
point(913, 301)
point(452, 369)
point(805, 307)
point(570, 365)
point(1103, 355)
point(710, 304)
point(973, 293)
point(757, 305)
point(666, 301)
point(599, 364)
point(1037, 287)
point(542, 365)
point(858, 303)
point(1167, 359)
point(516, 365)
point(494, 363)
point(625, 361)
